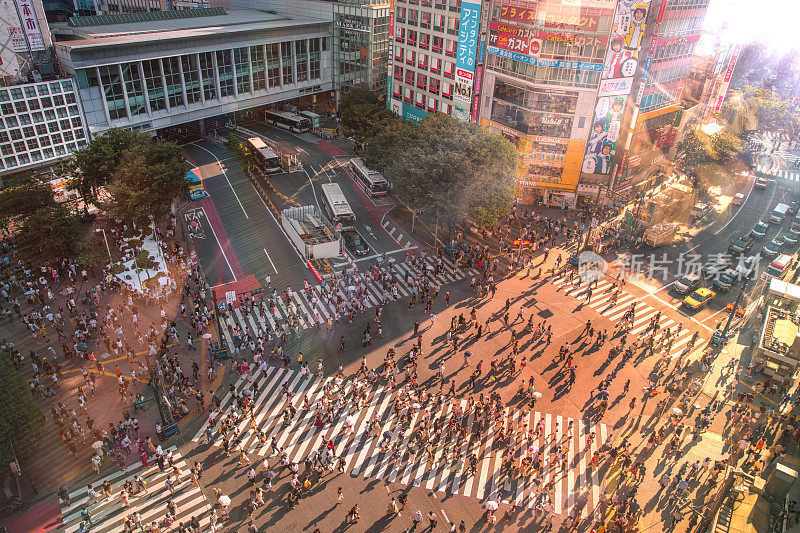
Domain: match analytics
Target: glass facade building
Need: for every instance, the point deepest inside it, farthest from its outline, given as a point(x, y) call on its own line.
point(360, 45)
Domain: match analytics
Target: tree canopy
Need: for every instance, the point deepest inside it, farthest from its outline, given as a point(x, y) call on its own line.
point(700, 149)
point(440, 167)
point(20, 417)
point(95, 164)
point(147, 179)
point(754, 108)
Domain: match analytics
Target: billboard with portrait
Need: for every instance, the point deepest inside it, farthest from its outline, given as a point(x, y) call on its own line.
point(619, 67)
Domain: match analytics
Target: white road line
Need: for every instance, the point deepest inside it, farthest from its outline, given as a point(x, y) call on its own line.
point(270, 261)
point(219, 243)
point(222, 168)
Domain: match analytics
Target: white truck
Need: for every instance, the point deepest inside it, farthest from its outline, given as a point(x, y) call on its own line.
point(661, 233)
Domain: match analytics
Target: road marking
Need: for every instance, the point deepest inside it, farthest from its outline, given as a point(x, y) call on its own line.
point(312, 188)
point(276, 222)
point(270, 261)
point(219, 243)
point(224, 173)
point(731, 220)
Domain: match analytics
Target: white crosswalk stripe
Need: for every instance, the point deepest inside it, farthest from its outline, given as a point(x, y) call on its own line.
point(602, 302)
point(446, 469)
point(303, 304)
point(779, 173)
point(107, 515)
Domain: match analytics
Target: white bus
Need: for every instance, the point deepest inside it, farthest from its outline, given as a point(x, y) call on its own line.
point(372, 181)
point(263, 156)
point(336, 206)
point(288, 121)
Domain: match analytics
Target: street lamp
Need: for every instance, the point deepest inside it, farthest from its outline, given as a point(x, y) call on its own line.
point(101, 230)
point(204, 338)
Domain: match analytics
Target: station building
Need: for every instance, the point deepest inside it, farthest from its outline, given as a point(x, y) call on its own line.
point(147, 71)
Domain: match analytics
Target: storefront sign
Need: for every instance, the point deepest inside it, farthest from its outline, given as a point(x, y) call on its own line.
point(481, 51)
point(580, 22)
point(686, 39)
point(622, 60)
point(657, 27)
point(526, 15)
point(512, 43)
point(412, 113)
point(347, 22)
point(527, 33)
point(615, 87)
point(30, 25)
point(726, 80)
point(476, 100)
point(556, 63)
point(468, 36)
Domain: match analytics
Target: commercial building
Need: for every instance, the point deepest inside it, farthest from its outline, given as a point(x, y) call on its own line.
point(428, 70)
point(360, 44)
point(147, 71)
point(778, 353)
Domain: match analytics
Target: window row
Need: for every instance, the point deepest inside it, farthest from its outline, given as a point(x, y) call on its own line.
point(420, 100)
point(13, 161)
point(427, 84)
point(180, 81)
point(426, 41)
point(42, 130)
point(44, 102)
point(36, 117)
point(427, 20)
point(34, 90)
point(422, 61)
point(544, 75)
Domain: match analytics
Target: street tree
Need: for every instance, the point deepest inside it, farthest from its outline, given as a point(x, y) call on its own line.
point(95, 164)
point(696, 150)
point(20, 419)
point(364, 116)
point(725, 146)
point(452, 170)
point(148, 178)
point(21, 201)
point(49, 233)
point(754, 108)
point(92, 250)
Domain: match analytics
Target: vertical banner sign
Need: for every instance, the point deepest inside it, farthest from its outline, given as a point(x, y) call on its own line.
point(476, 100)
point(466, 57)
point(30, 26)
point(391, 54)
point(726, 81)
point(619, 67)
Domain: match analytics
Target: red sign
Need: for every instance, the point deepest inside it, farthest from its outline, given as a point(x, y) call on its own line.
point(525, 15)
point(476, 99)
point(525, 33)
point(731, 65)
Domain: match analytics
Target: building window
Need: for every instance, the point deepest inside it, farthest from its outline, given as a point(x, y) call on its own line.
point(273, 65)
point(155, 87)
point(133, 84)
point(315, 60)
point(209, 76)
point(437, 44)
point(288, 63)
point(259, 72)
point(191, 78)
point(172, 74)
point(225, 69)
point(112, 90)
point(301, 58)
point(242, 65)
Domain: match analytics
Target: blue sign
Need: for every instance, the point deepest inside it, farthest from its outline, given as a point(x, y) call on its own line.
point(646, 68)
point(468, 26)
point(557, 63)
point(481, 51)
point(412, 113)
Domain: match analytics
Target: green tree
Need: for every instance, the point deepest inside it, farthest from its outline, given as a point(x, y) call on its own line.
point(148, 178)
point(725, 146)
point(696, 150)
point(50, 233)
point(95, 164)
point(20, 419)
point(364, 116)
point(453, 170)
point(25, 199)
point(92, 250)
point(754, 108)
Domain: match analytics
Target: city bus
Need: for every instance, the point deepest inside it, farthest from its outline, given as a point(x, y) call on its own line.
point(288, 121)
point(372, 181)
point(263, 156)
point(336, 206)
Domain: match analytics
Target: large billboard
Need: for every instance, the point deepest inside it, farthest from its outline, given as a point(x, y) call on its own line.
point(30, 25)
point(619, 68)
point(466, 58)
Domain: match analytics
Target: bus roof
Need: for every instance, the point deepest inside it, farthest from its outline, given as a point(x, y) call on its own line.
point(259, 144)
point(288, 114)
point(333, 194)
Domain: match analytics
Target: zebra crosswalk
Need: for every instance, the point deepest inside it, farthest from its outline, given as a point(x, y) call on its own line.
point(778, 173)
point(314, 306)
point(107, 515)
point(563, 445)
point(603, 302)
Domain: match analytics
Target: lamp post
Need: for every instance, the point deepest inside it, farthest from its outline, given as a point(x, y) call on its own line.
point(203, 340)
point(101, 230)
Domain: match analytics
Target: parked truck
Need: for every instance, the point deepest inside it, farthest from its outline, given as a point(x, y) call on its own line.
point(661, 233)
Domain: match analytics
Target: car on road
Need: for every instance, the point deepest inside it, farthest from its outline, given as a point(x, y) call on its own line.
point(686, 284)
point(725, 280)
point(738, 199)
point(793, 208)
point(772, 248)
point(792, 236)
point(699, 298)
point(354, 243)
point(760, 231)
point(740, 245)
point(761, 183)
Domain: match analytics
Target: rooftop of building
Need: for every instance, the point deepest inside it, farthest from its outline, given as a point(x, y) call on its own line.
point(780, 331)
point(134, 28)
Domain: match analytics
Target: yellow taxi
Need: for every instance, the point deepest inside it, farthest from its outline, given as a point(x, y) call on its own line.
point(699, 298)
